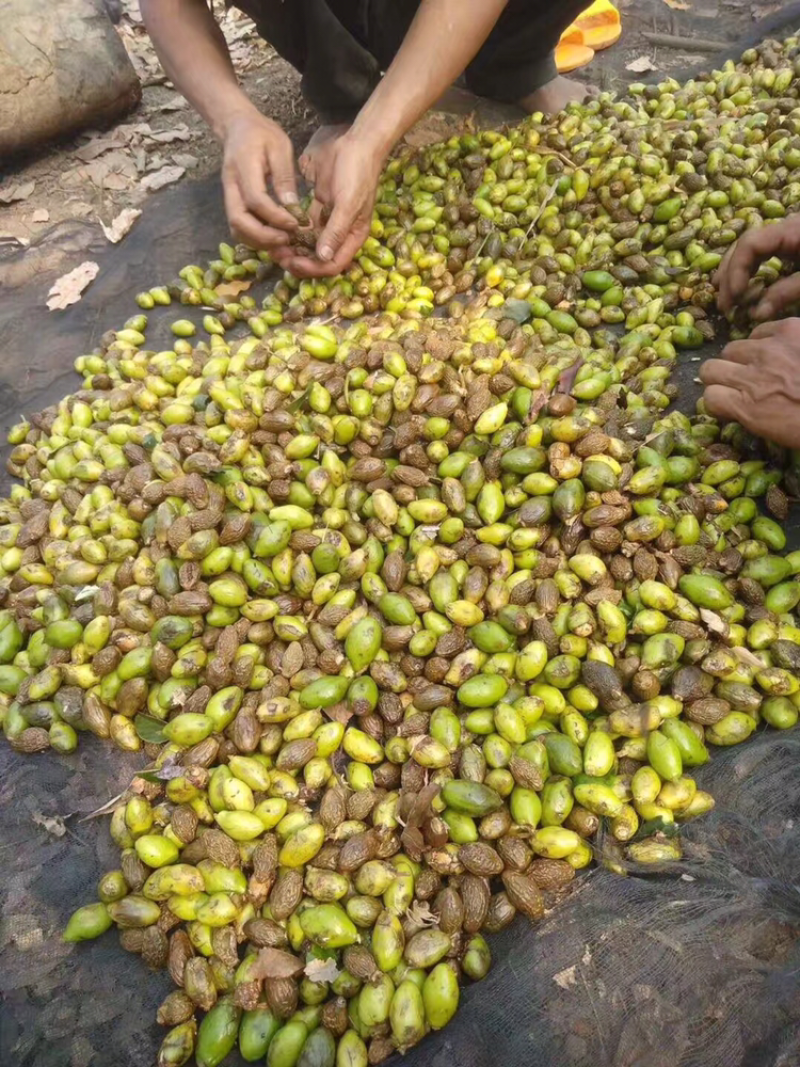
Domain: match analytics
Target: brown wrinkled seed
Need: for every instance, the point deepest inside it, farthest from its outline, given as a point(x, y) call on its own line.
point(175, 1009)
point(449, 906)
point(480, 858)
point(282, 996)
point(357, 850)
point(500, 914)
point(476, 897)
point(180, 952)
point(334, 1016)
point(265, 933)
point(221, 849)
point(360, 962)
point(155, 947)
point(548, 875)
point(286, 893)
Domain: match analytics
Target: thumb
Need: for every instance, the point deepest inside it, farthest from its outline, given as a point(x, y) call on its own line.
point(280, 157)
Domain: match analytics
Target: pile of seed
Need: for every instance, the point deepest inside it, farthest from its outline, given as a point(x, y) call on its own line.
point(401, 612)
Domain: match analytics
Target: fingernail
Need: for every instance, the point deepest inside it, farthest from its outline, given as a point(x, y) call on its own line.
point(763, 310)
point(290, 198)
point(325, 252)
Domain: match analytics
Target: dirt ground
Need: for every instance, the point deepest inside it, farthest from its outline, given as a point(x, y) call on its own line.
point(98, 174)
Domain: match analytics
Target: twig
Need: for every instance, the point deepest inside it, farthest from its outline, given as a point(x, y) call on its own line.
point(548, 196)
point(552, 152)
point(690, 44)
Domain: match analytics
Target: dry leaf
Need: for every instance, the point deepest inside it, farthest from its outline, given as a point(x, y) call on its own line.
point(322, 970)
point(715, 623)
point(275, 963)
point(107, 808)
point(434, 127)
point(748, 658)
point(233, 288)
point(178, 133)
point(566, 978)
point(10, 194)
point(175, 103)
point(678, 5)
point(185, 160)
point(69, 287)
point(54, 824)
point(641, 65)
point(40, 215)
point(121, 225)
point(158, 179)
point(97, 147)
point(421, 914)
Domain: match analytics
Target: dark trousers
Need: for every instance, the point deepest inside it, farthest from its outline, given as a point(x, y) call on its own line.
point(342, 46)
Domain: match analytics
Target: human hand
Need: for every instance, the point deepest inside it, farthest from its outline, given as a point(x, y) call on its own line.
point(257, 151)
point(743, 259)
point(346, 176)
point(756, 383)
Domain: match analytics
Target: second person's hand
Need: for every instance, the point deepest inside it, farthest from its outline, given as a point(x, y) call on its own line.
point(258, 154)
point(743, 259)
point(347, 179)
point(756, 382)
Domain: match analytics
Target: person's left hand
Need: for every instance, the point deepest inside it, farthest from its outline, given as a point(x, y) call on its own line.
point(756, 382)
point(347, 177)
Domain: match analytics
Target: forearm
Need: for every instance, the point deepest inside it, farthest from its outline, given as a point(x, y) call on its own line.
point(443, 38)
point(195, 56)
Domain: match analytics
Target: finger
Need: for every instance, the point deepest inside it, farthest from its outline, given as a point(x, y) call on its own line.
point(725, 403)
point(765, 329)
point(721, 372)
point(347, 253)
point(247, 227)
point(252, 181)
point(741, 352)
point(779, 296)
point(751, 250)
point(281, 166)
point(338, 228)
point(309, 267)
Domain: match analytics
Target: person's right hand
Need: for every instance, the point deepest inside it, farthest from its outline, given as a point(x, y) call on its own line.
point(756, 382)
point(743, 259)
point(256, 152)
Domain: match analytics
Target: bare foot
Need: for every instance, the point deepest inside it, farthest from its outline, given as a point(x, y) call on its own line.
point(555, 95)
point(319, 144)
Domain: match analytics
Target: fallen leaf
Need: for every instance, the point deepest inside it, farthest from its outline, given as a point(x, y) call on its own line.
point(748, 658)
point(97, 147)
point(322, 970)
point(41, 214)
point(275, 963)
point(54, 824)
point(69, 287)
point(158, 179)
point(233, 288)
point(178, 133)
point(10, 194)
point(566, 978)
point(185, 159)
point(175, 103)
point(421, 914)
point(107, 808)
point(714, 622)
point(339, 713)
point(678, 5)
point(121, 225)
point(641, 65)
point(433, 128)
